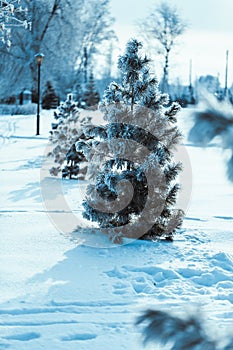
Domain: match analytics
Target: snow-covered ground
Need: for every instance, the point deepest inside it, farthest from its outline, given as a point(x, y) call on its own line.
point(57, 294)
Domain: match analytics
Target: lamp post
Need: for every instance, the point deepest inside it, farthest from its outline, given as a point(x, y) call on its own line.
point(39, 59)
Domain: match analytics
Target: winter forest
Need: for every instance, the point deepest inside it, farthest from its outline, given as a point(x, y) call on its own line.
point(116, 138)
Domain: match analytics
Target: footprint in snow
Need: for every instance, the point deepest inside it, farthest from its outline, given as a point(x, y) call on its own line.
point(116, 273)
point(23, 336)
point(120, 288)
point(141, 285)
point(79, 336)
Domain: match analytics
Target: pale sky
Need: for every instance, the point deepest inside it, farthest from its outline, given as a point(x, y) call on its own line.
point(208, 35)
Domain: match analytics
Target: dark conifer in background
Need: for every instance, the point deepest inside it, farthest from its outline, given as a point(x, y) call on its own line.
point(49, 98)
point(91, 96)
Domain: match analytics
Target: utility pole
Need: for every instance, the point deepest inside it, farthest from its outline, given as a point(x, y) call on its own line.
point(190, 81)
point(190, 73)
point(226, 74)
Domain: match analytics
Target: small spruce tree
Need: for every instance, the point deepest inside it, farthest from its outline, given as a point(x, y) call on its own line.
point(49, 97)
point(68, 129)
point(138, 141)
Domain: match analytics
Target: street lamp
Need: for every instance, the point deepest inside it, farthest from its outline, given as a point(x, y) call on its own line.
point(39, 59)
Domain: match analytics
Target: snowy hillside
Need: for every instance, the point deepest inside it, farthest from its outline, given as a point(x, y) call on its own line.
point(60, 294)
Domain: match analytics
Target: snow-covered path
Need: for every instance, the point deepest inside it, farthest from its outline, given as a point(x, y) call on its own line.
point(56, 294)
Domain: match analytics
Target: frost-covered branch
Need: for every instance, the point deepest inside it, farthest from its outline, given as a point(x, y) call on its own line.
point(179, 333)
point(213, 118)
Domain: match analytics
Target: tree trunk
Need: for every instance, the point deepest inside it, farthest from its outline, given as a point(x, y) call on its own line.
point(165, 73)
point(132, 100)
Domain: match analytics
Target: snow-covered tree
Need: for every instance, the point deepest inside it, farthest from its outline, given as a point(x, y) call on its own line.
point(95, 23)
point(135, 146)
point(213, 118)
point(12, 15)
point(66, 131)
point(165, 25)
point(49, 97)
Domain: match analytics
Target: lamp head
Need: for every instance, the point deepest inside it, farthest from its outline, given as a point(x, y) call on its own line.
point(39, 58)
